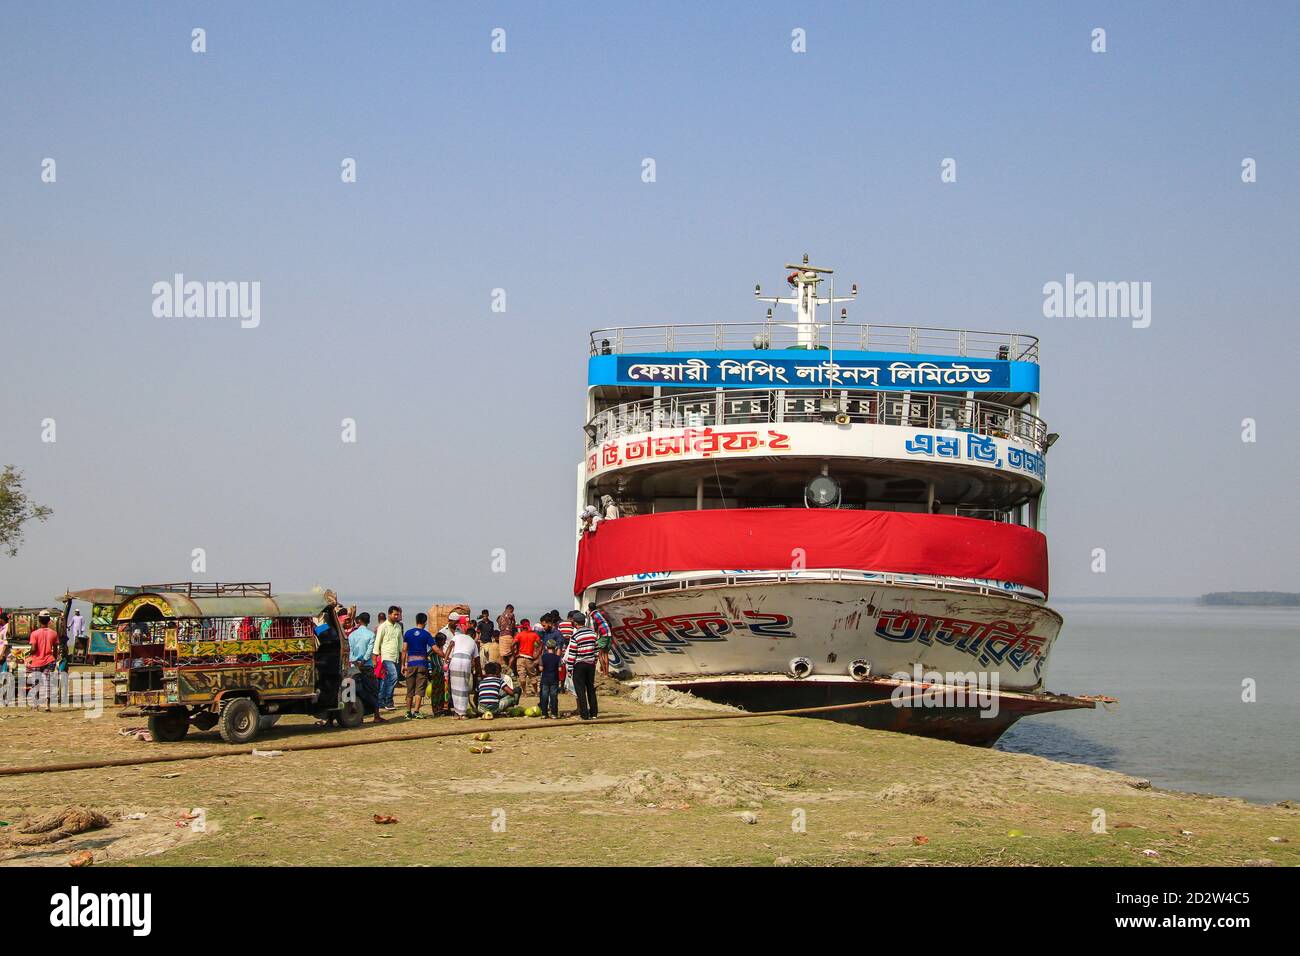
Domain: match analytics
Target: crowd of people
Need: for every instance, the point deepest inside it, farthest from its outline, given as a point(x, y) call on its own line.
point(477, 666)
point(469, 667)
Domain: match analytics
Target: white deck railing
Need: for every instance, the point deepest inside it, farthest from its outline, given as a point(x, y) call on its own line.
point(766, 406)
point(816, 575)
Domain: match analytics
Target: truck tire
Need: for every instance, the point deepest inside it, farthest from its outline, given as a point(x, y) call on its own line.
point(238, 721)
point(267, 721)
point(169, 727)
point(352, 714)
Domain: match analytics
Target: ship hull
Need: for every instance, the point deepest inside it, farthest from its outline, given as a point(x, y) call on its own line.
point(974, 724)
point(790, 644)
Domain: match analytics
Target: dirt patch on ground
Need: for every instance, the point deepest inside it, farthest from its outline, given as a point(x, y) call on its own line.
point(592, 783)
point(1048, 776)
point(662, 787)
point(131, 832)
point(657, 695)
point(905, 795)
point(612, 687)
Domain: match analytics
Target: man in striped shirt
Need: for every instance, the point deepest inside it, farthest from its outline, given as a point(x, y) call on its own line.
point(580, 659)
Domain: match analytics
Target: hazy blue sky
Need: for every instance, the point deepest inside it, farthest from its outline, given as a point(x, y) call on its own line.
point(522, 171)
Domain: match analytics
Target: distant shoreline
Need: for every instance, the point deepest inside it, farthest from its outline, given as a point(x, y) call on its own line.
point(1250, 599)
point(1127, 599)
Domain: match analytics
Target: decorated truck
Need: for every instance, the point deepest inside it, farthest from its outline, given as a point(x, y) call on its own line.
point(230, 656)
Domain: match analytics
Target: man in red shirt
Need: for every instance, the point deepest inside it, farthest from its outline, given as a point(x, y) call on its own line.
point(528, 644)
point(41, 658)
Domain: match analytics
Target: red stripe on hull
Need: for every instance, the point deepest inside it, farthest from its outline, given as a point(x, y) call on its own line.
point(767, 539)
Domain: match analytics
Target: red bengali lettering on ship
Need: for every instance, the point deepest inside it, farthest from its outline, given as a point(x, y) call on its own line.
point(705, 442)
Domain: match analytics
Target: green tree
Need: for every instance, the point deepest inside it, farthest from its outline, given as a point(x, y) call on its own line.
point(16, 509)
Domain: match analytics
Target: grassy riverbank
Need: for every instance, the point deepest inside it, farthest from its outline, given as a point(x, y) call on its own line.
point(643, 793)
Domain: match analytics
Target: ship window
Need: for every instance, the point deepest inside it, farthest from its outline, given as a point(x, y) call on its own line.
point(697, 413)
point(745, 410)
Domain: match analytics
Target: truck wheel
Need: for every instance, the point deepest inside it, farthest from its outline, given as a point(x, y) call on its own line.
point(169, 727)
point(352, 714)
point(238, 721)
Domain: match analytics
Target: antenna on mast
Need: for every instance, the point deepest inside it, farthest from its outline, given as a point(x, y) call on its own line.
point(804, 280)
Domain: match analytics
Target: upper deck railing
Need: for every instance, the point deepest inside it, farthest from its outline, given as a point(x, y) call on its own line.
point(720, 336)
point(764, 406)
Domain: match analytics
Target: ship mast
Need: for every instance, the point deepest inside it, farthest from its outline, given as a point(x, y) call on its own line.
point(804, 280)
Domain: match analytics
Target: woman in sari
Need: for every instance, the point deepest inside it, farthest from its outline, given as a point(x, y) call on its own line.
point(439, 697)
point(464, 652)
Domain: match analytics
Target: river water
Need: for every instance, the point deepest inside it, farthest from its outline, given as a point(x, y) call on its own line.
point(1178, 671)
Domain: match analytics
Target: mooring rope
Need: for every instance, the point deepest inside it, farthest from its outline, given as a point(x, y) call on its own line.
point(475, 727)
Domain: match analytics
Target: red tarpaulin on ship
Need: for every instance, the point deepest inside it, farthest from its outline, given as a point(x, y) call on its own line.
point(764, 539)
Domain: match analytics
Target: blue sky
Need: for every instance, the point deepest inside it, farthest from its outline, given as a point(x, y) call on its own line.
point(522, 171)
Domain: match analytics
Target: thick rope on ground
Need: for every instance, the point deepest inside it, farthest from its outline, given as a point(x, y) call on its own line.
point(472, 728)
point(54, 826)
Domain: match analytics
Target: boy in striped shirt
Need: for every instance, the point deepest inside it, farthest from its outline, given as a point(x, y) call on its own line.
point(494, 694)
point(564, 632)
point(565, 628)
point(580, 659)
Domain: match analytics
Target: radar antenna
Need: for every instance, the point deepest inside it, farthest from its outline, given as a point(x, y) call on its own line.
point(804, 280)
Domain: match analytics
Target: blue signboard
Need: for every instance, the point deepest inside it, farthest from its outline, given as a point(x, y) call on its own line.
point(790, 368)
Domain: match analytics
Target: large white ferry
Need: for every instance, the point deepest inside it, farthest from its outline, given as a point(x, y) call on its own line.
point(813, 513)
